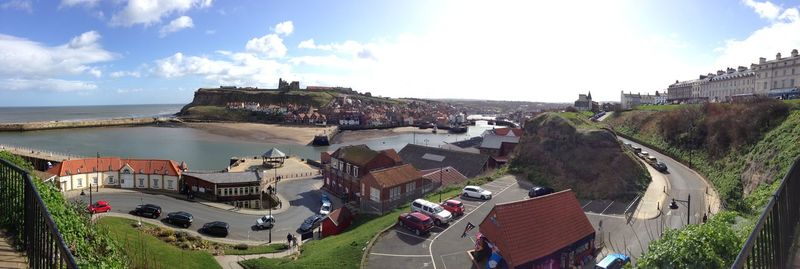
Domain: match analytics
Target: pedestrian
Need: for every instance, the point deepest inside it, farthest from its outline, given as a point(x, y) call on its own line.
point(294, 242)
point(289, 239)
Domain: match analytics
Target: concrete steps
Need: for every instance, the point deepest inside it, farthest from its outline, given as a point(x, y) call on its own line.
point(10, 258)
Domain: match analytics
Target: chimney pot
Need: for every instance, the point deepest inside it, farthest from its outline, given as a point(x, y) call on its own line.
point(794, 53)
point(778, 56)
point(762, 60)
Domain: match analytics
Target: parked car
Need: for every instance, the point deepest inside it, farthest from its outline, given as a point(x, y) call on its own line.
point(180, 218)
point(265, 222)
point(539, 191)
point(651, 160)
point(637, 149)
point(613, 261)
point(99, 207)
point(310, 223)
point(455, 207)
point(415, 221)
point(437, 212)
point(476, 192)
point(325, 198)
point(325, 209)
point(147, 210)
point(660, 166)
point(217, 228)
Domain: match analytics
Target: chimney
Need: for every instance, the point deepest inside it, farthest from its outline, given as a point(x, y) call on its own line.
point(778, 56)
point(794, 53)
point(703, 76)
point(720, 72)
point(731, 70)
point(752, 66)
point(762, 60)
point(741, 69)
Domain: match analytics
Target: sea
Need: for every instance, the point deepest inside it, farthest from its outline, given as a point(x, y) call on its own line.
point(200, 149)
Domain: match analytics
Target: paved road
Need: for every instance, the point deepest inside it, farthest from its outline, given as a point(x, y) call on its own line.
point(303, 195)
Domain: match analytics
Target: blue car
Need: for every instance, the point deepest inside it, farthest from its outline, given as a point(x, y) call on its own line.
point(325, 198)
point(613, 261)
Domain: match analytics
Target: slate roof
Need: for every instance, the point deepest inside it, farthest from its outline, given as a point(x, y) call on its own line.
point(393, 176)
point(448, 176)
point(227, 177)
point(468, 164)
point(469, 143)
point(109, 164)
point(340, 215)
point(495, 141)
point(357, 154)
point(273, 153)
point(529, 229)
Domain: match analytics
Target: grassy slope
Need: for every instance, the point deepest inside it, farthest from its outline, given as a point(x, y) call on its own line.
point(346, 249)
point(159, 254)
point(263, 249)
point(215, 113)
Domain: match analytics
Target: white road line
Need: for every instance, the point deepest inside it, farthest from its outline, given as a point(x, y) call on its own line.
point(430, 250)
point(604, 215)
point(441, 257)
point(587, 204)
point(398, 255)
point(609, 205)
point(465, 204)
point(405, 233)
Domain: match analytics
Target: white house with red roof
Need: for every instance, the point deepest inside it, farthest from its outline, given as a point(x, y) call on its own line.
point(116, 172)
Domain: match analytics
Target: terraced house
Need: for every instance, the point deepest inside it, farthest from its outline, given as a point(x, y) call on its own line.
point(116, 172)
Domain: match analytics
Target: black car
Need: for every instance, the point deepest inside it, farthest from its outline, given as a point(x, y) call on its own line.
point(217, 228)
point(660, 166)
point(147, 210)
point(539, 191)
point(180, 218)
point(310, 223)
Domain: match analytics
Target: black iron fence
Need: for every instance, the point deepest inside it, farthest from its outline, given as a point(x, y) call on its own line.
point(24, 213)
point(768, 246)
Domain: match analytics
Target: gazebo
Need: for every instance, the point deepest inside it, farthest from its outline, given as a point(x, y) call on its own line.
point(273, 157)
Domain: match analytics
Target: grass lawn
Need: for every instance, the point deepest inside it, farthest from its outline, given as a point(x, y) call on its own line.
point(263, 249)
point(146, 251)
point(344, 250)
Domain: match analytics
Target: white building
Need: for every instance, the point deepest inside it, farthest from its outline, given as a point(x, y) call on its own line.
point(115, 172)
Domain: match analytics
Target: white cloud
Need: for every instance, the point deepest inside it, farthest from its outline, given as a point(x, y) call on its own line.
point(175, 25)
point(148, 12)
point(348, 47)
point(71, 3)
point(270, 45)
point(765, 9)
point(119, 74)
point(48, 85)
point(284, 28)
point(20, 57)
point(234, 68)
point(211, 32)
point(765, 42)
point(23, 5)
point(125, 91)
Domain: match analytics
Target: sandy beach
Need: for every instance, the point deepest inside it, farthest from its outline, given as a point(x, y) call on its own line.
point(265, 133)
point(354, 136)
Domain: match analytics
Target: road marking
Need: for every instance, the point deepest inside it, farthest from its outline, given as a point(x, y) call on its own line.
point(604, 215)
point(412, 235)
point(454, 224)
point(587, 204)
point(465, 204)
point(441, 257)
point(609, 205)
point(398, 255)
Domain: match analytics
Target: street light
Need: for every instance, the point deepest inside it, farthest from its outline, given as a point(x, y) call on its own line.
point(674, 205)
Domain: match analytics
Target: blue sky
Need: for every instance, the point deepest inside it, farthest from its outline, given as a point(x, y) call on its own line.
point(92, 52)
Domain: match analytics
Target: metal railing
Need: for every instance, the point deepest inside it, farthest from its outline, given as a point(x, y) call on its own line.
point(25, 213)
point(768, 246)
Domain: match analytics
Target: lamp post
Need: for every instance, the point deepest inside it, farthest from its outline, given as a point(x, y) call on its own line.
point(674, 205)
point(441, 171)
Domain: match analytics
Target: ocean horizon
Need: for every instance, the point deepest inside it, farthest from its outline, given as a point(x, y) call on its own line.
point(21, 114)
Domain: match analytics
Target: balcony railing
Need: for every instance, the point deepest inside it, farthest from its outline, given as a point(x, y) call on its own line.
point(23, 212)
point(769, 243)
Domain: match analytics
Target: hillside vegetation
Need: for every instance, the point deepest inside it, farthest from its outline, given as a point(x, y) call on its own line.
point(741, 148)
point(556, 152)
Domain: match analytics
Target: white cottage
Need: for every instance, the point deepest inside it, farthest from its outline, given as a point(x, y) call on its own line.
point(116, 172)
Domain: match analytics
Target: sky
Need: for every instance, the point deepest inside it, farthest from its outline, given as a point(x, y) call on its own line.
point(106, 52)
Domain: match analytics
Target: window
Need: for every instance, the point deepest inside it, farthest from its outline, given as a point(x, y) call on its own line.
point(792, 71)
point(169, 184)
point(141, 182)
point(775, 84)
point(355, 171)
point(783, 83)
point(111, 179)
point(94, 180)
point(765, 85)
point(155, 183)
point(791, 83)
point(80, 183)
point(394, 193)
point(374, 194)
point(410, 187)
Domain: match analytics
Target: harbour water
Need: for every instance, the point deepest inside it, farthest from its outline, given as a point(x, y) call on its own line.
point(200, 149)
point(73, 113)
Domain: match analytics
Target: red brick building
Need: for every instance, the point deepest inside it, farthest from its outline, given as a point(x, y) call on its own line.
point(387, 188)
point(336, 222)
point(347, 165)
point(550, 231)
point(241, 189)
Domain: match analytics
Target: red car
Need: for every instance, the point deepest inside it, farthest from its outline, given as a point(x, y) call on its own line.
point(416, 221)
point(99, 207)
point(454, 206)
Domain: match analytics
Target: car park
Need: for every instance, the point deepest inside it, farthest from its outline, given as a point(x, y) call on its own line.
point(415, 221)
point(476, 192)
point(265, 222)
point(455, 207)
point(539, 191)
point(437, 212)
point(216, 228)
point(613, 261)
point(99, 207)
point(147, 210)
point(310, 223)
point(180, 218)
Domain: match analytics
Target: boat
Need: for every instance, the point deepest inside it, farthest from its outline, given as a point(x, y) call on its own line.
point(458, 129)
point(321, 140)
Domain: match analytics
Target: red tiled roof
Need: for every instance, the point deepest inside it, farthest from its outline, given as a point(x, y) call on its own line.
point(530, 229)
point(340, 215)
point(107, 164)
point(393, 176)
point(504, 131)
point(449, 175)
point(392, 154)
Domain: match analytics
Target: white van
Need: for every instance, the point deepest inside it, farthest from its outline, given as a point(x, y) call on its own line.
point(435, 211)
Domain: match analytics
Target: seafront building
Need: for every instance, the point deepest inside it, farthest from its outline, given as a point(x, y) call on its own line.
point(778, 78)
point(78, 174)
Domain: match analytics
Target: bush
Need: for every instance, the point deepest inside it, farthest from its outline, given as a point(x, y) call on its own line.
point(185, 245)
point(241, 246)
point(181, 235)
point(166, 233)
point(194, 238)
point(170, 239)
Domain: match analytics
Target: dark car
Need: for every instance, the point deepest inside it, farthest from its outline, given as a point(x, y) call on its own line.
point(216, 228)
point(147, 210)
point(180, 218)
point(415, 221)
point(660, 166)
point(310, 223)
point(539, 191)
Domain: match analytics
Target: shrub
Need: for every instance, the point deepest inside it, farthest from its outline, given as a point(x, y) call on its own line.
point(241, 246)
point(170, 239)
point(181, 235)
point(185, 245)
point(194, 238)
point(166, 233)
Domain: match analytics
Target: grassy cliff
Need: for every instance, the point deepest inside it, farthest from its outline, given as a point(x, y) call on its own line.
point(566, 151)
point(743, 149)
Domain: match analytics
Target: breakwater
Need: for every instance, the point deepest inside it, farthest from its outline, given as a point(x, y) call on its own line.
point(49, 125)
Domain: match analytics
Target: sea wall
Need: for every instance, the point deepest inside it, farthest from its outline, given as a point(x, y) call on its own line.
point(48, 125)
